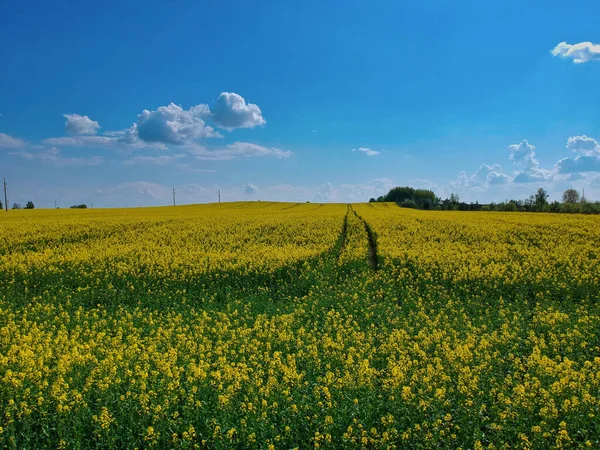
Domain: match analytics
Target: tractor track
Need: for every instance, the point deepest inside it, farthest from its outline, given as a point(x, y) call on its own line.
point(372, 257)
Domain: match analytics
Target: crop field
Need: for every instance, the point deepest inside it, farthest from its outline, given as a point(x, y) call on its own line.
point(282, 325)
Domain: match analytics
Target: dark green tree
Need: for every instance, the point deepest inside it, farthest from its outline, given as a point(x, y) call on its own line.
point(29, 205)
point(423, 198)
point(570, 196)
point(541, 198)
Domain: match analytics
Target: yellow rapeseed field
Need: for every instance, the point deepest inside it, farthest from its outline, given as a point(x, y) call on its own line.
point(282, 325)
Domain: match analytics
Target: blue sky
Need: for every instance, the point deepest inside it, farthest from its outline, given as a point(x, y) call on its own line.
point(114, 103)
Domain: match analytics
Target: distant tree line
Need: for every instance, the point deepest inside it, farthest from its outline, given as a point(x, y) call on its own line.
point(409, 197)
point(28, 205)
point(572, 202)
point(82, 206)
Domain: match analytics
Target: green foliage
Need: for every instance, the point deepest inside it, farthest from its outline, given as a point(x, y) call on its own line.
point(29, 205)
point(82, 206)
point(460, 339)
point(541, 198)
point(421, 198)
point(408, 204)
point(570, 196)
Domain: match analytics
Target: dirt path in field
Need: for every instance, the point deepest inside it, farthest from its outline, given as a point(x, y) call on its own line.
point(372, 252)
point(343, 236)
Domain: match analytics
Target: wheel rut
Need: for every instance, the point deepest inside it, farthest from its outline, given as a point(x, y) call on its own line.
point(372, 257)
point(343, 238)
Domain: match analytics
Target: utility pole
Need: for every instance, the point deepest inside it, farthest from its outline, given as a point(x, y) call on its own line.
point(54, 204)
point(173, 195)
point(219, 192)
point(5, 197)
point(92, 206)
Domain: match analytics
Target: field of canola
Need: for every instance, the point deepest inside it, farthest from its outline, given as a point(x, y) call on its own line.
point(281, 325)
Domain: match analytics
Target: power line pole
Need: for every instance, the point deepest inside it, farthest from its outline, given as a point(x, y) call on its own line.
point(173, 195)
point(54, 204)
point(5, 197)
point(219, 192)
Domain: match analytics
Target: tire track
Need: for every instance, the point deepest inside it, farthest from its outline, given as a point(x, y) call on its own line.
point(372, 257)
point(341, 244)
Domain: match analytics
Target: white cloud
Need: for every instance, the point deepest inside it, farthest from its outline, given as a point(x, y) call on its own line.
point(129, 136)
point(579, 164)
point(528, 169)
point(77, 124)
point(523, 154)
point(231, 111)
point(482, 178)
point(367, 151)
point(162, 160)
point(583, 145)
point(53, 157)
point(123, 139)
point(173, 125)
point(579, 53)
point(250, 189)
point(532, 175)
point(7, 141)
point(82, 141)
point(237, 150)
point(167, 125)
point(588, 159)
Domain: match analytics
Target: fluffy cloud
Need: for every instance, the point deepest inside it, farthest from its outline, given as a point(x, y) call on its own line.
point(482, 178)
point(528, 169)
point(532, 175)
point(578, 164)
point(579, 53)
point(250, 189)
point(588, 159)
point(237, 150)
point(77, 124)
point(123, 139)
point(7, 141)
point(174, 125)
point(367, 151)
point(583, 145)
point(167, 125)
point(523, 154)
point(231, 111)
